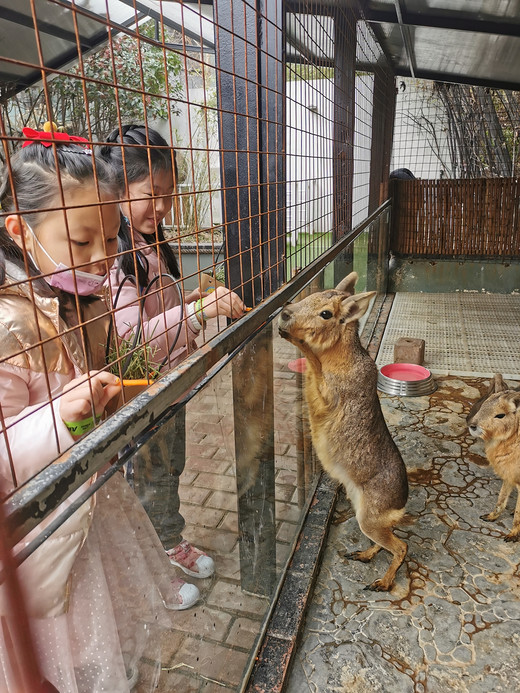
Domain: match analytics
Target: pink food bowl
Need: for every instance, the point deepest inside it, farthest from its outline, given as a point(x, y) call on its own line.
point(406, 379)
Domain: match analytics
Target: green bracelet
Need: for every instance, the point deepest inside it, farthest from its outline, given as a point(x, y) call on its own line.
point(78, 428)
point(199, 308)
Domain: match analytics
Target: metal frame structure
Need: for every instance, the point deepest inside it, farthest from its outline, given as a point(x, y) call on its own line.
point(252, 106)
point(33, 501)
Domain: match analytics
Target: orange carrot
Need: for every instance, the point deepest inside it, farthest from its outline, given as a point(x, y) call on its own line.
point(129, 383)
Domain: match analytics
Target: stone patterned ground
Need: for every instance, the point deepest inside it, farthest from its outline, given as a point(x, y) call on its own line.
point(452, 620)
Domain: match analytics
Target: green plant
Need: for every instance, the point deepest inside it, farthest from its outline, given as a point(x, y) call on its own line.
point(138, 361)
point(127, 75)
point(220, 273)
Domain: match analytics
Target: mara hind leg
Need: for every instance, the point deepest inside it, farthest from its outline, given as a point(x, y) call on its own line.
point(514, 534)
point(384, 537)
point(503, 497)
point(364, 556)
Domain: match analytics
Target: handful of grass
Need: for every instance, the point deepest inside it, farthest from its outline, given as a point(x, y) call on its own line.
point(133, 362)
point(220, 273)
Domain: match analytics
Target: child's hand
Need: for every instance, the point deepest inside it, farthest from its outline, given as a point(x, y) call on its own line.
point(222, 301)
point(79, 395)
point(194, 295)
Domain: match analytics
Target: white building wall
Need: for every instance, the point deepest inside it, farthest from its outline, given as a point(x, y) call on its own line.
point(309, 145)
point(362, 146)
point(310, 109)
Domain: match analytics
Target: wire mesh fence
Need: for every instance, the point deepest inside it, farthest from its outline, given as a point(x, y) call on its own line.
point(167, 169)
point(461, 142)
point(445, 130)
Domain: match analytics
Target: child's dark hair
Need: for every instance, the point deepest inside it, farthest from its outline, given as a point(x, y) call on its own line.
point(33, 187)
point(135, 164)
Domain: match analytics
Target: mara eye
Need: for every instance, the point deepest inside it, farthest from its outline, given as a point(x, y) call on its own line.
point(499, 416)
point(326, 314)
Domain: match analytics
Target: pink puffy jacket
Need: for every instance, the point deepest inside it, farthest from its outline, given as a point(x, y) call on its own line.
point(33, 435)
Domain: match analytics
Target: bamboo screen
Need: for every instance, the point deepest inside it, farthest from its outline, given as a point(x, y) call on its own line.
point(477, 218)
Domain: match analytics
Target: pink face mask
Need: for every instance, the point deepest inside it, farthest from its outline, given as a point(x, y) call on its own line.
point(86, 283)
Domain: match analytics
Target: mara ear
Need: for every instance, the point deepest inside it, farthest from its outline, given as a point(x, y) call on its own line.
point(498, 384)
point(354, 307)
point(347, 284)
point(514, 397)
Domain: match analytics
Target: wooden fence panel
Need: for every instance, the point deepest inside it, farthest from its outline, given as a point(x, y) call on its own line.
point(478, 218)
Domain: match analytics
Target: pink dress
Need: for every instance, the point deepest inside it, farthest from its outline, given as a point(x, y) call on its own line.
point(98, 590)
point(119, 605)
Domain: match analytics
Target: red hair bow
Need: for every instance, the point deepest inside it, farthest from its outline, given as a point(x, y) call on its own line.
point(40, 136)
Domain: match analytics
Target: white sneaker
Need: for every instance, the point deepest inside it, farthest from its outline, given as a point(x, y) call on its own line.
point(182, 595)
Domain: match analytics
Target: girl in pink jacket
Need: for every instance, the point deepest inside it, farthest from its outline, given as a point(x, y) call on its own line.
point(80, 584)
point(144, 284)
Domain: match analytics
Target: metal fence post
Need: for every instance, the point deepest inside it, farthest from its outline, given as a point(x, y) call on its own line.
point(345, 25)
point(383, 111)
point(250, 75)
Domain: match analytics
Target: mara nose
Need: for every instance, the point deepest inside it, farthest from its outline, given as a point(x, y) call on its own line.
point(473, 429)
point(286, 314)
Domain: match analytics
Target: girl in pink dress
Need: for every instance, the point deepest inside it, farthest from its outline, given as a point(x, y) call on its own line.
point(148, 301)
point(97, 588)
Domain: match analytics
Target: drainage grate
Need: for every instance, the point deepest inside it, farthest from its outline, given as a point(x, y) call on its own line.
point(465, 334)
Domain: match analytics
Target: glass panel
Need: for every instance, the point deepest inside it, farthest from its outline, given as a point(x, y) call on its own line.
point(240, 496)
point(232, 473)
point(361, 248)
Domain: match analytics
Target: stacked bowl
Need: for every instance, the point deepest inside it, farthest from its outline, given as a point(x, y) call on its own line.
point(405, 380)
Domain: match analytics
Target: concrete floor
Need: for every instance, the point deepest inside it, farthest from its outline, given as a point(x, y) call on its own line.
point(207, 648)
point(452, 619)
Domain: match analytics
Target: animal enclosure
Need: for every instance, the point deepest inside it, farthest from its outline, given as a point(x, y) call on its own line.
point(280, 119)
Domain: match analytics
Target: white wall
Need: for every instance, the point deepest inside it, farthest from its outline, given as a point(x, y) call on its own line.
point(309, 145)
point(310, 108)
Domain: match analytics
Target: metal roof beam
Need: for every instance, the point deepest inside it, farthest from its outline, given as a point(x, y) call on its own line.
point(176, 24)
point(46, 28)
point(405, 35)
point(449, 19)
point(19, 82)
point(433, 76)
